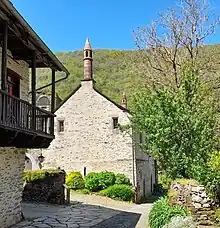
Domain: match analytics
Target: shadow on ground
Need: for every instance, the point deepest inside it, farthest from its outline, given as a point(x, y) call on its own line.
point(76, 214)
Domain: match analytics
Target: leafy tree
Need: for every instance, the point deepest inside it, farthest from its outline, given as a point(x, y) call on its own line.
point(180, 126)
point(175, 40)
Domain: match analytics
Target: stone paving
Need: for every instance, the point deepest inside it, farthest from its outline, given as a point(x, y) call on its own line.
point(84, 214)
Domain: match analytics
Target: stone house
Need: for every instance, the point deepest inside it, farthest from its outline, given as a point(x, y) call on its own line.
point(90, 137)
point(20, 50)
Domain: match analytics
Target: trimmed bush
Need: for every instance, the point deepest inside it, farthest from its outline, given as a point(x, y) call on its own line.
point(75, 180)
point(37, 175)
point(92, 182)
point(181, 222)
point(122, 179)
point(106, 179)
point(119, 192)
point(162, 213)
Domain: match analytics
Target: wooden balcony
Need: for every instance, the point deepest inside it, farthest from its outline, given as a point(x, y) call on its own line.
point(23, 125)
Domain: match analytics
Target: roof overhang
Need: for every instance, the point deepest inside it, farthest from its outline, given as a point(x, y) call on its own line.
point(22, 39)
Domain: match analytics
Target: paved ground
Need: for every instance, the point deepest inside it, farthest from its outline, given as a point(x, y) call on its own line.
point(85, 211)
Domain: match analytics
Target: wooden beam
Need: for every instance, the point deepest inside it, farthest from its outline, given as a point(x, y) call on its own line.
point(33, 89)
point(4, 56)
point(52, 101)
point(53, 91)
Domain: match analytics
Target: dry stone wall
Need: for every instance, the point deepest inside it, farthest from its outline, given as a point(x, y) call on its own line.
point(196, 199)
point(49, 190)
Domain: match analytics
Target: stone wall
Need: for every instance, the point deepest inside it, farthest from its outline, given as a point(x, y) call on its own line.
point(11, 186)
point(89, 140)
point(195, 199)
point(49, 190)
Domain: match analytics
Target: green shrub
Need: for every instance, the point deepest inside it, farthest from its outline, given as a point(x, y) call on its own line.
point(164, 180)
point(37, 175)
point(161, 213)
point(217, 215)
point(122, 179)
point(214, 161)
point(209, 176)
point(92, 182)
point(106, 179)
point(119, 191)
point(75, 181)
point(181, 222)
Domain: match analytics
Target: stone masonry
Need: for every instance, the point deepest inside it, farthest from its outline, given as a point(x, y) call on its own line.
point(194, 198)
point(11, 171)
point(89, 139)
point(89, 142)
point(12, 160)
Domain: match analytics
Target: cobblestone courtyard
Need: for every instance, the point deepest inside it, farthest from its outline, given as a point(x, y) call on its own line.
point(85, 211)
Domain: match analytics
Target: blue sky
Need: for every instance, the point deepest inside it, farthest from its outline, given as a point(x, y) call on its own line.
point(65, 24)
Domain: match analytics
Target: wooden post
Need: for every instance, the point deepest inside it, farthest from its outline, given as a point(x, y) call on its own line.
point(52, 101)
point(53, 91)
point(4, 56)
point(33, 89)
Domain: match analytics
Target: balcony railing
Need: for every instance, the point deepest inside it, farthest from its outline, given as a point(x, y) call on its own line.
point(21, 115)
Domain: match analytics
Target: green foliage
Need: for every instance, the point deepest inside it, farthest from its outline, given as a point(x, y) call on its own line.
point(83, 191)
point(164, 180)
point(187, 181)
point(122, 179)
point(161, 213)
point(217, 215)
point(92, 182)
point(109, 68)
point(180, 125)
point(172, 196)
point(98, 181)
point(214, 161)
point(106, 179)
point(75, 180)
point(119, 191)
point(36, 175)
point(209, 176)
point(181, 222)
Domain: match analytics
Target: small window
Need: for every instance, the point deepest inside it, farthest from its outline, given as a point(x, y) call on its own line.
point(61, 126)
point(115, 122)
point(86, 53)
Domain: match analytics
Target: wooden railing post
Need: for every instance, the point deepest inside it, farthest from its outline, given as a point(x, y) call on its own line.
point(52, 102)
point(4, 57)
point(33, 90)
point(4, 71)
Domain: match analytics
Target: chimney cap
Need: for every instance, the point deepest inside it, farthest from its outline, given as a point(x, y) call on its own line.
point(87, 45)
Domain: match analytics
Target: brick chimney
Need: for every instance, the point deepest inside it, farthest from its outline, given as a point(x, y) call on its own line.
point(124, 101)
point(87, 61)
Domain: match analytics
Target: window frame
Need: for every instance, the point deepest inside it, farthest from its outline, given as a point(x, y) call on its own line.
point(61, 129)
point(115, 122)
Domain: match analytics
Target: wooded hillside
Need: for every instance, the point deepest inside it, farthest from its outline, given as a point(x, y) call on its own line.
point(111, 71)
